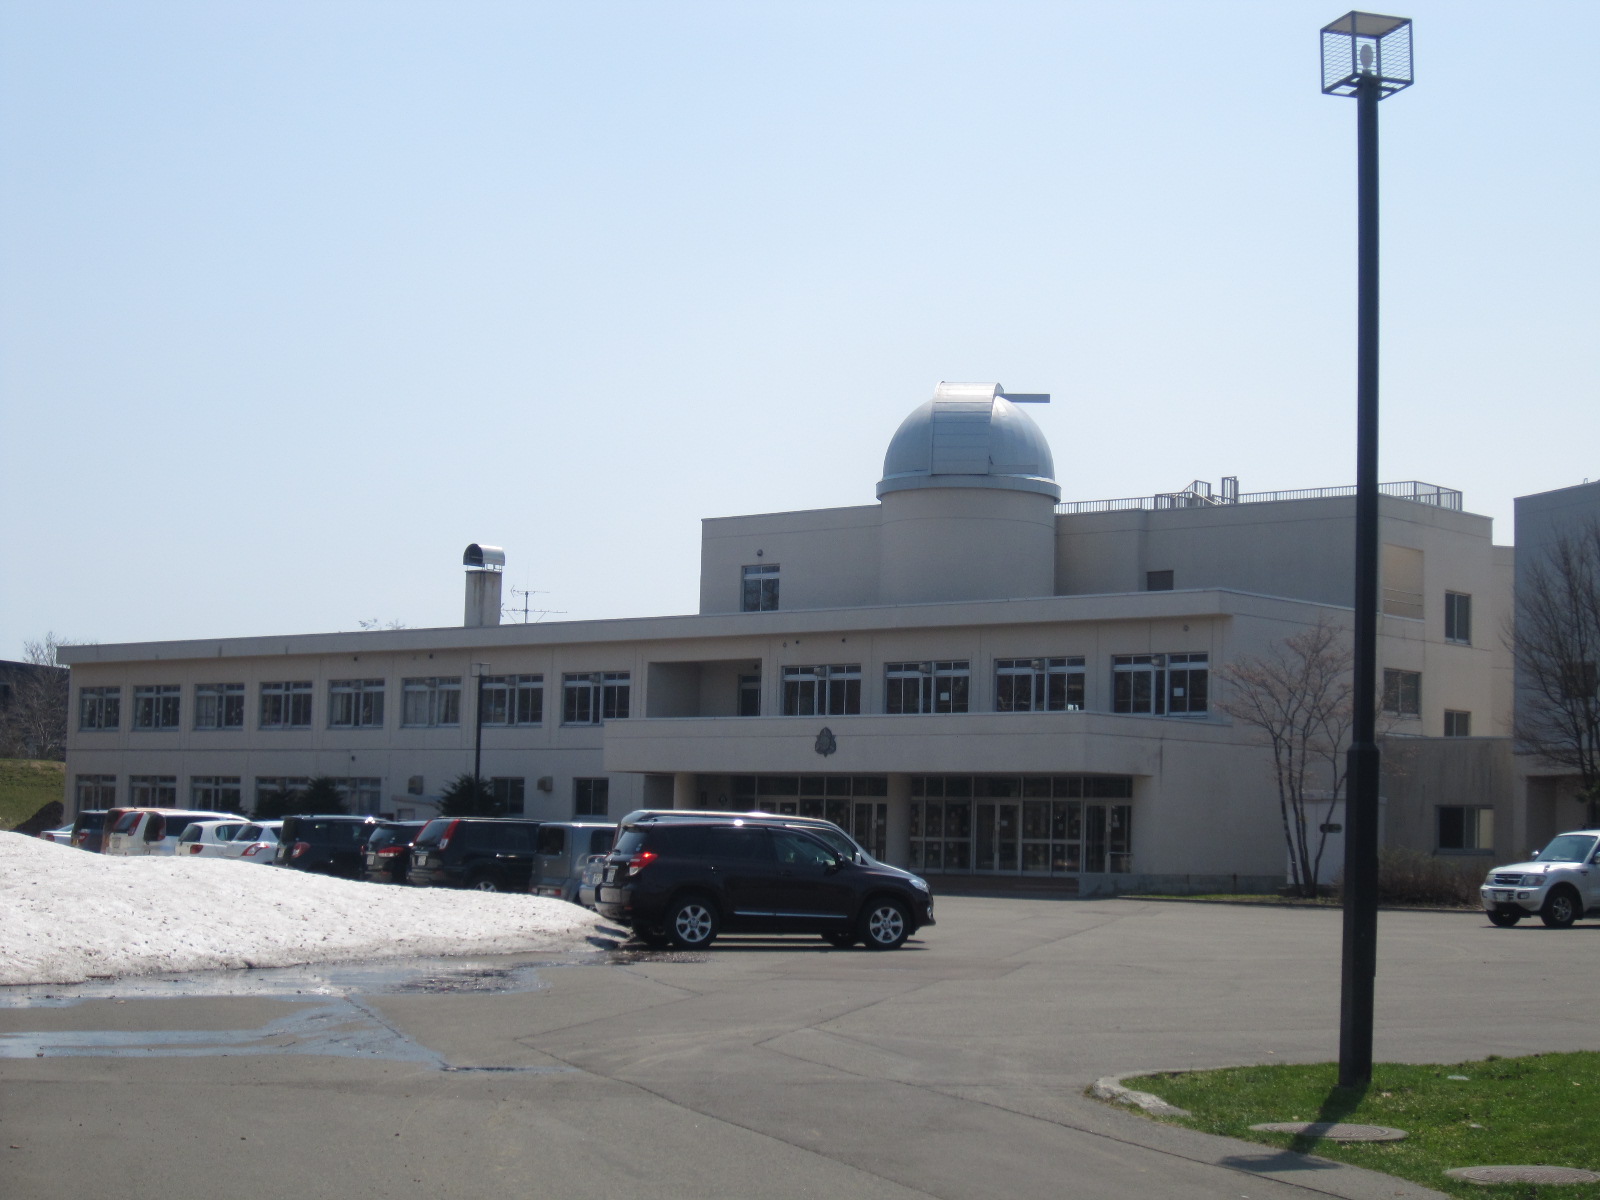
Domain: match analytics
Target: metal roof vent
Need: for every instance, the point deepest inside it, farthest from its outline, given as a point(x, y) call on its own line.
point(484, 558)
point(484, 565)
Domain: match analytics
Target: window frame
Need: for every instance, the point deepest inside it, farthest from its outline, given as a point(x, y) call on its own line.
point(595, 697)
point(591, 796)
point(105, 704)
point(913, 688)
point(216, 793)
point(1476, 827)
point(1458, 618)
point(822, 690)
point(1457, 723)
point(226, 702)
point(1179, 684)
point(1056, 684)
point(157, 708)
point(511, 701)
point(758, 587)
point(1400, 686)
point(355, 703)
point(288, 696)
point(430, 702)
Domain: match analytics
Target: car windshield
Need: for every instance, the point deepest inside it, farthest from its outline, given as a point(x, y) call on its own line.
point(1568, 848)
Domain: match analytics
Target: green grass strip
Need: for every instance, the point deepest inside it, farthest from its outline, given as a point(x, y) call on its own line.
point(1542, 1110)
point(26, 786)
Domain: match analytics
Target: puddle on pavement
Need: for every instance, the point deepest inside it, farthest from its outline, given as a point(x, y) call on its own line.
point(331, 1017)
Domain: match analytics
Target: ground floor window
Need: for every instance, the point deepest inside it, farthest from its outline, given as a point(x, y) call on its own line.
point(96, 791)
point(509, 796)
point(1030, 824)
point(276, 791)
point(1466, 827)
point(153, 791)
point(1457, 724)
point(591, 797)
point(363, 797)
point(856, 803)
point(215, 793)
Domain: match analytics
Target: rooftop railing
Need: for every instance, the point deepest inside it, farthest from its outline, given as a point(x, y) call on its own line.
point(1199, 495)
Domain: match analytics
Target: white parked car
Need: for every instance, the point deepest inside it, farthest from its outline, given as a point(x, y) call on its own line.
point(256, 842)
point(211, 839)
point(1561, 883)
point(61, 836)
point(154, 830)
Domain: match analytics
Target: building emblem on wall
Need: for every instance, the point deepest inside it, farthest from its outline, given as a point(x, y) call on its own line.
point(826, 743)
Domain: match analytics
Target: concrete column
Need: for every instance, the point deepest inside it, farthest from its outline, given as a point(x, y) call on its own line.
point(685, 790)
point(898, 835)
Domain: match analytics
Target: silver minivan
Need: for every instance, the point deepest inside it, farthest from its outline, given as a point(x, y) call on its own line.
point(560, 850)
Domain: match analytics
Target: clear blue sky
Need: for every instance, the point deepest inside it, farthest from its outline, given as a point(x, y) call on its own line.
point(298, 299)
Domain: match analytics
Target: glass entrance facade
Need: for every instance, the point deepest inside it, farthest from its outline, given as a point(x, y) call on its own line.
point(853, 802)
point(1022, 825)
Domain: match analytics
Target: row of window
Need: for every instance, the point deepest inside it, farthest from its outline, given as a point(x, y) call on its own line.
point(425, 703)
point(1154, 684)
point(225, 793)
point(1149, 684)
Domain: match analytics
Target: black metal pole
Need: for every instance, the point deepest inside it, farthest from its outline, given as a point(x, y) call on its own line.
point(477, 748)
point(1360, 967)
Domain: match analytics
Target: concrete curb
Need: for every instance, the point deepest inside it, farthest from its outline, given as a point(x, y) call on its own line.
point(1109, 1088)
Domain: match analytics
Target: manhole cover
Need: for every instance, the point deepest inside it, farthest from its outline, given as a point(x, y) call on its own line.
point(1488, 1175)
point(1334, 1131)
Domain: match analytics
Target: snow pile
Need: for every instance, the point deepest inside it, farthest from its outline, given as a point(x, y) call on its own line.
point(67, 916)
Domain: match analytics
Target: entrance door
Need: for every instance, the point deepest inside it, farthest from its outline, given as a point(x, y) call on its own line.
point(870, 826)
point(997, 842)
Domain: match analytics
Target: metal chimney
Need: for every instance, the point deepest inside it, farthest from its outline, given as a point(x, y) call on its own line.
point(484, 564)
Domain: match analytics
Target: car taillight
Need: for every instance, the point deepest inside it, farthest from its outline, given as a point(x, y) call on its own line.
point(390, 851)
point(253, 850)
point(449, 832)
point(298, 849)
point(194, 847)
point(640, 861)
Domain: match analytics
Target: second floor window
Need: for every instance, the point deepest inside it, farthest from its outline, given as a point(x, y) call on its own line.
point(596, 697)
point(355, 704)
point(431, 702)
point(219, 706)
point(930, 687)
point(1038, 684)
point(513, 699)
point(156, 707)
point(1402, 693)
point(286, 705)
point(1161, 684)
point(1457, 617)
point(99, 707)
point(760, 588)
point(833, 690)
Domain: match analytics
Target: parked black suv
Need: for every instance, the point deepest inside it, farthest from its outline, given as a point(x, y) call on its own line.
point(387, 853)
point(331, 844)
point(490, 854)
point(684, 881)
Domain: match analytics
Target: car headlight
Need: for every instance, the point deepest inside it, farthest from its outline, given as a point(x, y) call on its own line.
point(920, 884)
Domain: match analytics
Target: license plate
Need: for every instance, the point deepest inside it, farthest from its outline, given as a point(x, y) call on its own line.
point(1503, 895)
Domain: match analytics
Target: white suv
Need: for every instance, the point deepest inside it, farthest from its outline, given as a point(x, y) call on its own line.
point(1561, 883)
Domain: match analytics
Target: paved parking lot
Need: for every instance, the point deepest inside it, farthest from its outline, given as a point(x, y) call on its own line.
point(768, 1067)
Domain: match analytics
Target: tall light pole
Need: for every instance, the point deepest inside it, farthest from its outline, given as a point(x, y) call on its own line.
point(1369, 57)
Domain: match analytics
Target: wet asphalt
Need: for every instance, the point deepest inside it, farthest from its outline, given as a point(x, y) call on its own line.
point(764, 1067)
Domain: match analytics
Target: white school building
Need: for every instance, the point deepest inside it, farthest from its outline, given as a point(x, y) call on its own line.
point(973, 677)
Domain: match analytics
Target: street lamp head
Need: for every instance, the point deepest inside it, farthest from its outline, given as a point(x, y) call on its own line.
point(1366, 46)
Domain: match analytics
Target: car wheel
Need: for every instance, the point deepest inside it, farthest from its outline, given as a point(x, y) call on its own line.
point(1560, 908)
point(692, 923)
point(484, 883)
point(884, 925)
point(1503, 918)
point(842, 940)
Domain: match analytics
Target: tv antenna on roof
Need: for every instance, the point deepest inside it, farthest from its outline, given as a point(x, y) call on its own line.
point(527, 610)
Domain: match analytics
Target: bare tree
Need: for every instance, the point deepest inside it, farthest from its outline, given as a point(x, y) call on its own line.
point(34, 723)
point(1556, 644)
point(1299, 697)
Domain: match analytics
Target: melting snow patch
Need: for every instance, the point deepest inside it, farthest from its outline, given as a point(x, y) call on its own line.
point(67, 916)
